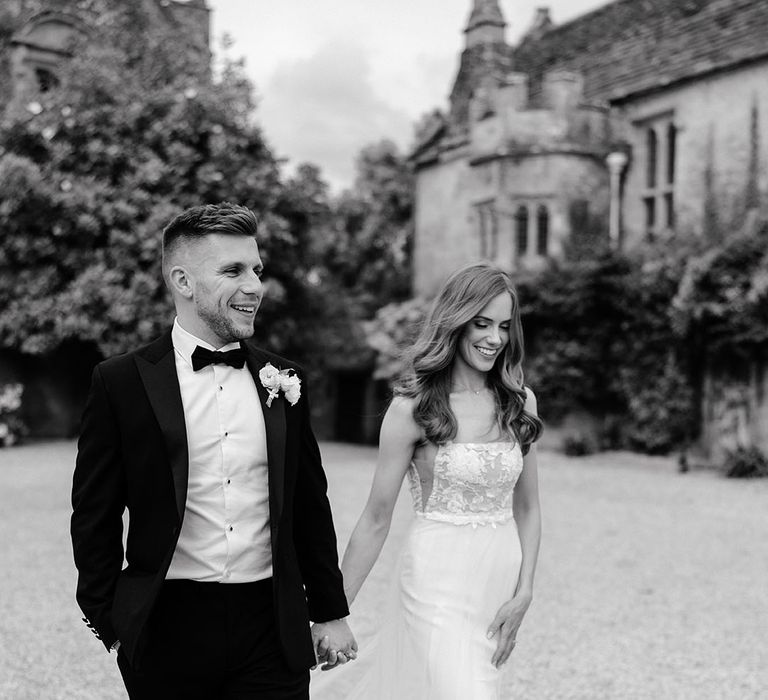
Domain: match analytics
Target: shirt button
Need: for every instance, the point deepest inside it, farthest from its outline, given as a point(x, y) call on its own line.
point(228, 482)
point(230, 528)
point(221, 388)
point(226, 434)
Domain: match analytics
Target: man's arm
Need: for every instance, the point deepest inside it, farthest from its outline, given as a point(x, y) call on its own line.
point(98, 501)
point(315, 542)
point(314, 534)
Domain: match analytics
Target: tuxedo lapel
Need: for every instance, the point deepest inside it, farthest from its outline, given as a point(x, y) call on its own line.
point(274, 423)
point(157, 368)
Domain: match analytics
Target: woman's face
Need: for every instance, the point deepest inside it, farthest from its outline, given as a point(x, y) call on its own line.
point(487, 334)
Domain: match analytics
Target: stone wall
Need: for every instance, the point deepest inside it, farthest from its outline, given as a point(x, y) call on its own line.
point(449, 194)
point(715, 140)
point(735, 409)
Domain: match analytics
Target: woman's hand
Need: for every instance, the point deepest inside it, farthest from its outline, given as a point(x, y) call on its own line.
point(505, 626)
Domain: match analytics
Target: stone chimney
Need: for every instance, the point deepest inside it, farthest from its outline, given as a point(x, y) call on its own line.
point(541, 22)
point(562, 90)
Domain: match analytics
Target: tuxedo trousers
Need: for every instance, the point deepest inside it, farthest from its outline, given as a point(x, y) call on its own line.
point(213, 641)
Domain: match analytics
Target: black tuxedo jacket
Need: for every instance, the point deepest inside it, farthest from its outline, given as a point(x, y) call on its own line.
point(132, 454)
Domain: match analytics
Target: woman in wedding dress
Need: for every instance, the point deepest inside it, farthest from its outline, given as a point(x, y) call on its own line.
point(461, 428)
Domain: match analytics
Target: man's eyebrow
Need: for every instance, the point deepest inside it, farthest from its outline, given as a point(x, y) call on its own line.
point(237, 265)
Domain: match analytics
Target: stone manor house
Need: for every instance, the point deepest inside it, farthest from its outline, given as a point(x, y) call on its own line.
point(637, 121)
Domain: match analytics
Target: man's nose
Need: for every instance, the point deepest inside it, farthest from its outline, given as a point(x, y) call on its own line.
point(252, 284)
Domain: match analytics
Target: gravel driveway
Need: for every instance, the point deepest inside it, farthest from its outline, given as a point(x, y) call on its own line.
point(651, 584)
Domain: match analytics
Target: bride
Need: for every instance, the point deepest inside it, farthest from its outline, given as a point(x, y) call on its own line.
point(462, 428)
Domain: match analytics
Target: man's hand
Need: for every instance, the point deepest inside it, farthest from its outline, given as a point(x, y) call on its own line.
point(334, 643)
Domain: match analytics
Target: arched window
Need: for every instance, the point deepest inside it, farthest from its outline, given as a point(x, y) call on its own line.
point(542, 230)
point(652, 146)
point(521, 230)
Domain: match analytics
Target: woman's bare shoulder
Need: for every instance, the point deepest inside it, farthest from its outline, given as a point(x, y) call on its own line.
point(400, 417)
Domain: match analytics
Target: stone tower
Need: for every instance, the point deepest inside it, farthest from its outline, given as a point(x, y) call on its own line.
point(486, 24)
point(513, 168)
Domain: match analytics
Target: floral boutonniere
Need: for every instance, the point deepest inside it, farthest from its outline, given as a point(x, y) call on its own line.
point(276, 380)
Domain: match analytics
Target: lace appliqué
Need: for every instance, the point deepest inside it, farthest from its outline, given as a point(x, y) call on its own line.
point(473, 483)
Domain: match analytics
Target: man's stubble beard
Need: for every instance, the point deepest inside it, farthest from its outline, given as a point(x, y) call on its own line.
point(222, 326)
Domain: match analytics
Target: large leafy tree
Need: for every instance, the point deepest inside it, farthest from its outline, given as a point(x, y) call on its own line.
point(92, 171)
point(364, 249)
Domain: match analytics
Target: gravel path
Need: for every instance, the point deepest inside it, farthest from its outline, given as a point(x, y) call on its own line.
point(651, 584)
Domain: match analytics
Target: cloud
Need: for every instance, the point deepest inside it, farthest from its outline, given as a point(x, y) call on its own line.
point(325, 108)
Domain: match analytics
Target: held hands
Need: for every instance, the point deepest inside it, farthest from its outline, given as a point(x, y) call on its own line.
point(505, 625)
point(334, 643)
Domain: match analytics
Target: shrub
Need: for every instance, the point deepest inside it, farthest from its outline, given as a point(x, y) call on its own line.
point(599, 337)
point(577, 445)
point(392, 331)
point(746, 463)
point(12, 428)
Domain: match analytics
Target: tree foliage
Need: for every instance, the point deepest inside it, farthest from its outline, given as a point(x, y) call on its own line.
point(722, 302)
point(364, 250)
point(91, 173)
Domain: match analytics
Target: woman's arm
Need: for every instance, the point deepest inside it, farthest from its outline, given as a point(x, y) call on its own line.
point(528, 519)
point(398, 438)
point(528, 512)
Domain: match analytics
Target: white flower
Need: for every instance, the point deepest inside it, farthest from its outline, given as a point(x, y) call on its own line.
point(277, 380)
point(269, 376)
point(291, 386)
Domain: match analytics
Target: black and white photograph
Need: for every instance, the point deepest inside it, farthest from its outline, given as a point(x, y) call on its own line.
point(383, 350)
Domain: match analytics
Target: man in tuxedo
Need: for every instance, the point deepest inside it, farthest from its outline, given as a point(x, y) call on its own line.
point(230, 546)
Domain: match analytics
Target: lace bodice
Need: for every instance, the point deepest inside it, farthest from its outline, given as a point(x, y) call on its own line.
point(472, 482)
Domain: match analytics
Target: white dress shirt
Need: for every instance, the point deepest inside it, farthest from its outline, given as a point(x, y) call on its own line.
point(225, 535)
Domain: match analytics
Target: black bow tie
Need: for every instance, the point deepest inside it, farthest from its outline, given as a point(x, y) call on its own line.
point(203, 357)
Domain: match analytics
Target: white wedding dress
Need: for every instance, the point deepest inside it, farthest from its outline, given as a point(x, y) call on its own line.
point(460, 562)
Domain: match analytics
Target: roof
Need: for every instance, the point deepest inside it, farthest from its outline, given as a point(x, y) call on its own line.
point(633, 46)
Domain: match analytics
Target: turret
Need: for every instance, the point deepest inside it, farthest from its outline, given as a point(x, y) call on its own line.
point(486, 24)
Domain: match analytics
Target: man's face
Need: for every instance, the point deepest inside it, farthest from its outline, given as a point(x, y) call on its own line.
point(225, 273)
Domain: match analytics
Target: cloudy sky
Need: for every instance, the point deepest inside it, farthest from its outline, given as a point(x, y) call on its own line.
point(334, 75)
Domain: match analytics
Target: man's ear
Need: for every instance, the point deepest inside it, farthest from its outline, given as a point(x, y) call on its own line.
point(180, 281)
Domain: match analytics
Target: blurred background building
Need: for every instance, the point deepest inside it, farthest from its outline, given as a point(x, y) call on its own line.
point(635, 121)
point(637, 125)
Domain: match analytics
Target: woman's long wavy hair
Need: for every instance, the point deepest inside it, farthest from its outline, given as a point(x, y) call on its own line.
point(430, 361)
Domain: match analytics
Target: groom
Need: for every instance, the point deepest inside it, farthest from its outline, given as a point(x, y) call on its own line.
point(230, 547)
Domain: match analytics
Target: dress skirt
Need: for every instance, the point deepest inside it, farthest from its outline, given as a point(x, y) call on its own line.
point(432, 645)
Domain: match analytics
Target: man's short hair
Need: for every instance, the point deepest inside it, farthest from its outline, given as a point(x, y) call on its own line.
point(197, 222)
